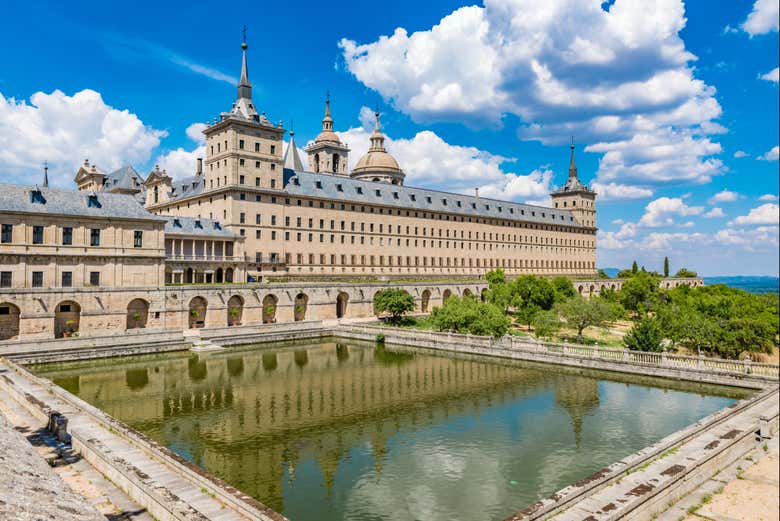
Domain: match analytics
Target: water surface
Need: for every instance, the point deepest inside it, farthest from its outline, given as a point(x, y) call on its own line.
point(332, 431)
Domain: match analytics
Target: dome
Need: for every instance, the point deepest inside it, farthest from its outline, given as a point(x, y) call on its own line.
point(376, 160)
point(378, 164)
point(327, 135)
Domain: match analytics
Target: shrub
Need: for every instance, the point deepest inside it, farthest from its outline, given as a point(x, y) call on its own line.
point(469, 315)
point(580, 313)
point(645, 335)
point(380, 338)
point(685, 273)
point(394, 301)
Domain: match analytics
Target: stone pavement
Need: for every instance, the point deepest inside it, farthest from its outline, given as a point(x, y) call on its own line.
point(76, 473)
point(747, 490)
point(30, 490)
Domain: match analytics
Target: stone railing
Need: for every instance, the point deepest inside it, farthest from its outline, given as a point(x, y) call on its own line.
point(545, 351)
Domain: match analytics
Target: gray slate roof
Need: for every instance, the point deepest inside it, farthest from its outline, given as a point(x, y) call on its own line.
point(409, 198)
point(176, 225)
point(187, 186)
point(58, 201)
point(123, 179)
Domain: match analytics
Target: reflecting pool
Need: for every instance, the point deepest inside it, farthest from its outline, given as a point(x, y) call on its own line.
point(332, 430)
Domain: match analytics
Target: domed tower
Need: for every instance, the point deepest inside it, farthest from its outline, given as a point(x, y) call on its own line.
point(576, 197)
point(377, 164)
point(328, 153)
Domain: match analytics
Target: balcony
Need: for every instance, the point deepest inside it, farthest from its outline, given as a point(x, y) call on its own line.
point(204, 258)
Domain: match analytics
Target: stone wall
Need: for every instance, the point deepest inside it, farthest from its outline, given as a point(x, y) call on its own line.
point(105, 311)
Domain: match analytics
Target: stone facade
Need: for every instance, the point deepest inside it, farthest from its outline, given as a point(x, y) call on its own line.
point(324, 222)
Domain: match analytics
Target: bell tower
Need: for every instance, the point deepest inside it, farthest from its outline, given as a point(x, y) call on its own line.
point(327, 153)
point(243, 147)
point(576, 197)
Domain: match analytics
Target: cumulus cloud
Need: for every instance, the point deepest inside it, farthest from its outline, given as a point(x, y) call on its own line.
point(64, 130)
point(771, 154)
point(429, 161)
point(195, 132)
point(614, 191)
point(715, 213)
point(724, 196)
point(773, 75)
point(768, 197)
point(764, 214)
point(662, 212)
point(763, 18)
point(740, 153)
point(622, 81)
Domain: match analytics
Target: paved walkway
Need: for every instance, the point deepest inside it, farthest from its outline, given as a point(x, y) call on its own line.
point(747, 490)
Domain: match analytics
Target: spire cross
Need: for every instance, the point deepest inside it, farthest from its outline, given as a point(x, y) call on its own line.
point(243, 32)
point(46, 174)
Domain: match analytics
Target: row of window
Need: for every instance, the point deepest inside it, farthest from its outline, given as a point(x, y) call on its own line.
point(433, 262)
point(66, 281)
point(67, 235)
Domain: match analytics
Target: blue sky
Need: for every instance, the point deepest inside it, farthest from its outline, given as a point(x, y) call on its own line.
point(674, 106)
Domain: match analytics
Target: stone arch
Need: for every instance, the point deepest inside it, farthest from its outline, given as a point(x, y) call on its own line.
point(300, 305)
point(235, 310)
point(467, 293)
point(579, 289)
point(341, 304)
point(9, 321)
point(425, 299)
point(67, 316)
point(269, 308)
point(219, 276)
point(483, 294)
point(228, 274)
point(336, 160)
point(612, 287)
point(197, 312)
point(137, 314)
point(445, 295)
point(316, 162)
point(591, 290)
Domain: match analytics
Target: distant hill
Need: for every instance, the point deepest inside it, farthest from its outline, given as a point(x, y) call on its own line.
point(747, 283)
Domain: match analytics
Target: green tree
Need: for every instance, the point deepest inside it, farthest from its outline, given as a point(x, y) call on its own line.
point(685, 272)
point(666, 266)
point(564, 289)
point(534, 290)
point(469, 315)
point(499, 292)
point(580, 313)
point(645, 335)
point(634, 268)
point(638, 292)
point(546, 323)
point(394, 301)
point(526, 313)
point(603, 274)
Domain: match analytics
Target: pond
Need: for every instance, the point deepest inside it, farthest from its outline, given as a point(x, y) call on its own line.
point(342, 430)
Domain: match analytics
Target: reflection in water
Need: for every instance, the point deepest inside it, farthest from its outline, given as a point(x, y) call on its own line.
point(350, 431)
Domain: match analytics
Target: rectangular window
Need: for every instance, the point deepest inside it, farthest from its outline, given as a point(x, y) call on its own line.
point(273, 149)
point(138, 239)
point(67, 236)
point(94, 278)
point(67, 279)
point(37, 279)
point(242, 218)
point(37, 234)
point(257, 181)
point(257, 147)
point(241, 178)
point(94, 237)
point(7, 234)
point(5, 279)
point(241, 144)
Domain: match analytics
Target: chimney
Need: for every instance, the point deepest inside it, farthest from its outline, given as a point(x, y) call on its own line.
point(476, 193)
point(200, 166)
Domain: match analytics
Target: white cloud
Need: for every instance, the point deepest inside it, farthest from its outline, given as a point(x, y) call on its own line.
point(724, 196)
point(740, 153)
point(773, 75)
point(64, 130)
point(768, 197)
point(662, 211)
point(615, 191)
point(429, 161)
point(180, 163)
point(771, 155)
point(195, 132)
point(715, 213)
point(621, 80)
point(763, 18)
point(751, 239)
point(764, 214)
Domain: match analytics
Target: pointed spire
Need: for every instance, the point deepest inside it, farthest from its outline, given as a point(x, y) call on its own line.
point(572, 164)
point(377, 138)
point(292, 161)
point(244, 86)
point(46, 174)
